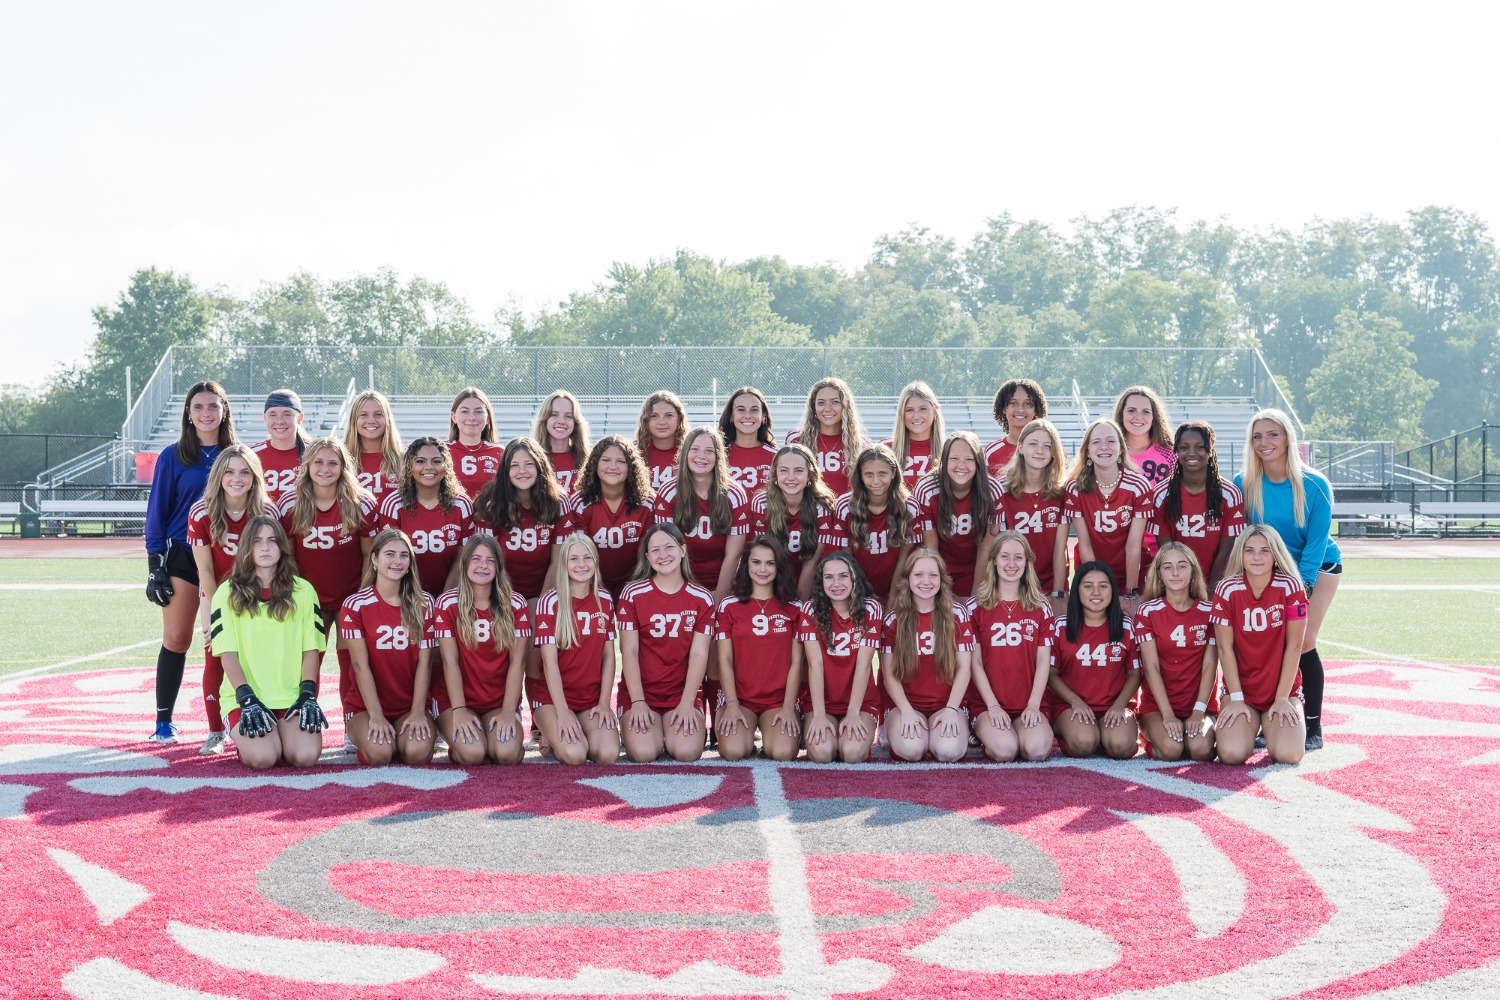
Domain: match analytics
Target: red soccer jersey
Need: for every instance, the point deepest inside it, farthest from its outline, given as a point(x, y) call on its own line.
point(475, 464)
point(1007, 637)
point(199, 532)
point(280, 467)
point(483, 668)
point(1181, 639)
point(762, 634)
point(436, 535)
point(830, 455)
point(372, 479)
point(705, 548)
point(760, 525)
point(616, 533)
point(997, 455)
point(328, 557)
point(751, 467)
point(1038, 517)
point(880, 557)
point(924, 691)
point(666, 624)
point(391, 650)
point(663, 465)
point(840, 656)
point(961, 548)
point(1093, 667)
point(1194, 528)
point(1259, 625)
point(527, 546)
point(581, 664)
point(1108, 521)
point(919, 460)
point(565, 468)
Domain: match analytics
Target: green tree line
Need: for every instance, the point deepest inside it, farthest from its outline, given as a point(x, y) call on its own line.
point(1379, 329)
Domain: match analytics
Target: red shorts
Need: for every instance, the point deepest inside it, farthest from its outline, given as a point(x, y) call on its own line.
point(1148, 705)
point(622, 702)
point(538, 695)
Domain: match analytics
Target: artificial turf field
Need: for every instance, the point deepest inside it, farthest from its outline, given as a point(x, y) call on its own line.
point(129, 870)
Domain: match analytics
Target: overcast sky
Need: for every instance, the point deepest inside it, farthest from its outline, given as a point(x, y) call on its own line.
point(514, 151)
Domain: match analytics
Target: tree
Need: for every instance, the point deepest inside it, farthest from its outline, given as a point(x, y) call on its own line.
point(820, 298)
point(1368, 387)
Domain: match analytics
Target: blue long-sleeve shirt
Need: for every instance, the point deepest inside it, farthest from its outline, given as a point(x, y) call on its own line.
point(1310, 544)
point(174, 490)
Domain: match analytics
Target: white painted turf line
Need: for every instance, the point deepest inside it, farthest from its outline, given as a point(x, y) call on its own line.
point(10, 679)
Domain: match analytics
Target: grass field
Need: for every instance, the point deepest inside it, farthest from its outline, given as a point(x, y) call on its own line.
point(1454, 625)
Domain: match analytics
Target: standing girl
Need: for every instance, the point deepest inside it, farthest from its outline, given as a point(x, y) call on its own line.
point(876, 520)
point(563, 434)
point(387, 627)
point(832, 431)
point(711, 510)
point(926, 646)
point(1195, 506)
point(280, 454)
point(431, 507)
point(1260, 616)
point(373, 440)
point(1018, 403)
point(1031, 499)
point(839, 632)
point(522, 507)
point(614, 507)
point(483, 631)
point(959, 507)
point(1298, 502)
point(1179, 658)
point(666, 625)
point(1108, 503)
point(172, 574)
point(760, 661)
point(1012, 625)
point(575, 631)
point(745, 426)
point(918, 436)
point(1141, 414)
point(267, 633)
point(1096, 668)
point(471, 440)
point(233, 495)
point(659, 434)
point(796, 509)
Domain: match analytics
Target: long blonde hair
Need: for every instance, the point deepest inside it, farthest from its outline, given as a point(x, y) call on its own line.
point(815, 495)
point(473, 392)
point(1253, 474)
point(213, 491)
point(410, 587)
point(244, 584)
point(643, 426)
point(1082, 473)
point(904, 654)
point(565, 630)
point(503, 620)
point(1013, 476)
point(346, 490)
point(390, 438)
point(899, 439)
point(987, 590)
point(851, 428)
point(578, 441)
point(685, 508)
point(898, 516)
point(1284, 563)
point(1157, 587)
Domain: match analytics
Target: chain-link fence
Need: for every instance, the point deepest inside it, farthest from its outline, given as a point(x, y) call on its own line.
point(23, 457)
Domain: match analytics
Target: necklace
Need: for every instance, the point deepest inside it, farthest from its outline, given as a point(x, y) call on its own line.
point(1107, 491)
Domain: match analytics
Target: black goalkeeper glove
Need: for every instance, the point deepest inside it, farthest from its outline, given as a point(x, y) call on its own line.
point(255, 721)
point(310, 718)
point(158, 581)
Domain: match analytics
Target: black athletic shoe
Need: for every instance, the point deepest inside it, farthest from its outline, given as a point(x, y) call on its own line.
point(1314, 741)
point(1260, 742)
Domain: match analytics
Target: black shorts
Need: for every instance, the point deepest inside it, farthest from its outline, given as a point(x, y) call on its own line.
point(1332, 569)
point(180, 562)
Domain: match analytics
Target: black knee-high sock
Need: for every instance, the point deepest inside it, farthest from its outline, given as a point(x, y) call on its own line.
point(1311, 665)
point(168, 682)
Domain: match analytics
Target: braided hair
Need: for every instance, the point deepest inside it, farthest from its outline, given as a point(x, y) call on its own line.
point(1171, 507)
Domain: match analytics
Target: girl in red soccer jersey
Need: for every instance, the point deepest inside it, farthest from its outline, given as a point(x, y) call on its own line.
point(373, 440)
point(523, 508)
point(431, 507)
point(575, 631)
point(1196, 506)
point(564, 435)
point(876, 519)
point(387, 626)
point(614, 506)
point(840, 632)
point(1018, 403)
point(760, 661)
point(666, 627)
point(659, 434)
point(471, 440)
point(1259, 616)
point(1179, 659)
point(926, 649)
point(280, 454)
point(960, 507)
point(918, 436)
point(233, 494)
point(832, 431)
point(745, 426)
point(1031, 499)
point(1109, 502)
point(1012, 625)
point(1140, 413)
point(796, 509)
point(483, 631)
point(713, 513)
point(1096, 669)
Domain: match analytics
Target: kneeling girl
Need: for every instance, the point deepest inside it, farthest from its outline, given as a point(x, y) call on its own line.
point(1096, 669)
point(926, 646)
point(760, 661)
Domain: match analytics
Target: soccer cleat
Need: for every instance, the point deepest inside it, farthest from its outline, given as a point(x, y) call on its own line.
point(166, 732)
point(1260, 742)
point(349, 746)
point(214, 744)
point(1314, 741)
